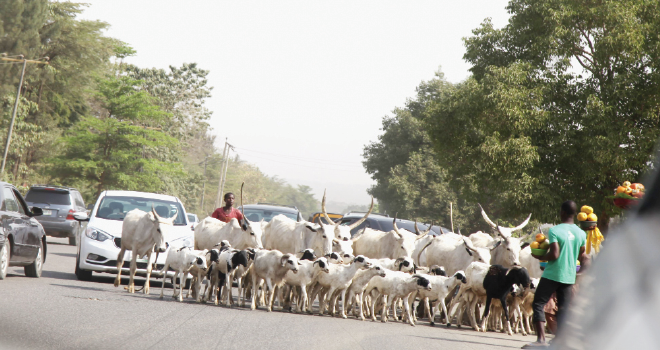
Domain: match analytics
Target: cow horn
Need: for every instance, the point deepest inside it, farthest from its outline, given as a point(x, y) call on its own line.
point(485, 216)
point(468, 245)
point(242, 209)
point(325, 213)
point(355, 224)
point(153, 210)
point(521, 226)
point(497, 227)
point(171, 220)
point(422, 234)
point(396, 229)
point(417, 231)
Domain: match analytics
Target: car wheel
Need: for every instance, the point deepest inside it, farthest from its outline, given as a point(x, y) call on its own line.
point(34, 269)
point(83, 275)
point(4, 259)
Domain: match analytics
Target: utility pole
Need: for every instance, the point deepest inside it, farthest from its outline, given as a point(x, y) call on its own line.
point(201, 205)
point(15, 110)
point(223, 173)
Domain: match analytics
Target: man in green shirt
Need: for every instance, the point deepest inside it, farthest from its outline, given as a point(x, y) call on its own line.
point(567, 245)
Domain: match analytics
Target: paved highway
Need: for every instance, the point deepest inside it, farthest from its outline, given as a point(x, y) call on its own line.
point(57, 311)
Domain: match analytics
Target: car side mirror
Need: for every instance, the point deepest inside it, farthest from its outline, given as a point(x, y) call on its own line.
point(81, 216)
point(36, 211)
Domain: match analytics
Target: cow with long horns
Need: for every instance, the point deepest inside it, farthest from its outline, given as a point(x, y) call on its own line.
point(342, 241)
point(394, 244)
point(142, 233)
point(506, 250)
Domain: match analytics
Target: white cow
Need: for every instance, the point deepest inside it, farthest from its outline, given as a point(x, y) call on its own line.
point(377, 244)
point(289, 236)
point(342, 232)
point(142, 234)
point(506, 251)
point(453, 253)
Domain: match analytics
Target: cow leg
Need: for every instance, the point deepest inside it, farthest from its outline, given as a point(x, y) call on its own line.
point(162, 288)
point(120, 263)
point(131, 276)
point(149, 265)
point(255, 279)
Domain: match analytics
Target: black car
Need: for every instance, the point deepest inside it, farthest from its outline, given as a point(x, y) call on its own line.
point(22, 238)
point(384, 223)
point(266, 211)
point(58, 205)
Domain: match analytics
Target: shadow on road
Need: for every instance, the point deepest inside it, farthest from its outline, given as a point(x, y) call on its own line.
point(58, 275)
point(467, 341)
point(79, 287)
point(73, 255)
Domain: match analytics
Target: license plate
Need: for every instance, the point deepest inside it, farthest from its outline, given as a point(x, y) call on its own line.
point(47, 212)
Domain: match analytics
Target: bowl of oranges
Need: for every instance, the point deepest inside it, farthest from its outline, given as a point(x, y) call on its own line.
point(628, 194)
point(588, 220)
point(540, 245)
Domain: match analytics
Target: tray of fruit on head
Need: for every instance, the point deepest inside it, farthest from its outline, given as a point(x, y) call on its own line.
point(628, 194)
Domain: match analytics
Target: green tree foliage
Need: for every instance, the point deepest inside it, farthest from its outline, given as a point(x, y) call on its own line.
point(563, 104)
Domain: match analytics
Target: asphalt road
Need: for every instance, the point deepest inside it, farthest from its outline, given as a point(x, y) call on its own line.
point(57, 311)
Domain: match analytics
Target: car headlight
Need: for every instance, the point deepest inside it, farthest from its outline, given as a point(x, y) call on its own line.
point(97, 234)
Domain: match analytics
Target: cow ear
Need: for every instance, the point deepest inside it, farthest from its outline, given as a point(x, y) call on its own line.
point(468, 251)
point(310, 227)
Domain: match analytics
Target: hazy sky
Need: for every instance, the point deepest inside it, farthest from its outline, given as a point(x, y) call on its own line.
point(301, 86)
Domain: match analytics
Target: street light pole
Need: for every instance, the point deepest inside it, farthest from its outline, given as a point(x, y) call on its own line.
point(11, 124)
point(15, 110)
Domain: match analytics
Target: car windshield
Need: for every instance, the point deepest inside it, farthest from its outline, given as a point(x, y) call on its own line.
point(52, 197)
point(256, 214)
point(116, 207)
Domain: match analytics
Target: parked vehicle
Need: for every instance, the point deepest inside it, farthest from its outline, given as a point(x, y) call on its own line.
point(266, 211)
point(22, 238)
point(58, 205)
point(384, 223)
point(192, 220)
point(316, 217)
point(99, 246)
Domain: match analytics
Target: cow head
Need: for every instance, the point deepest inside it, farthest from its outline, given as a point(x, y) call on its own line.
point(405, 243)
point(506, 251)
point(342, 232)
point(289, 261)
point(161, 229)
point(253, 230)
point(322, 264)
point(477, 254)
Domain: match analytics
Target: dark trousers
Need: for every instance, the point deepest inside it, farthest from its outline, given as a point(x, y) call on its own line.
point(543, 293)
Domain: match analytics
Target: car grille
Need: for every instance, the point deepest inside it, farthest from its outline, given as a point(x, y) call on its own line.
point(117, 241)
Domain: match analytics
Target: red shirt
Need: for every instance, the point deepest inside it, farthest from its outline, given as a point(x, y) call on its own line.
point(220, 215)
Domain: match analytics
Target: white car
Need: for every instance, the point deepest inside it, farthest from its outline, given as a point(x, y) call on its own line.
point(100, 244)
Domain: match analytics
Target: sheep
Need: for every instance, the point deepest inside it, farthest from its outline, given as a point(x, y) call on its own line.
point(307, 271)
point(395, 284)
point(441, 286)
point(339, 278)
point(222, 270)
point(359, 284)
point(405, 264)
point(181, 260)
point(271, 266)
point(497, 283)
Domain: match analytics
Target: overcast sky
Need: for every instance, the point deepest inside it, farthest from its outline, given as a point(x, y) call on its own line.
point(301, 86)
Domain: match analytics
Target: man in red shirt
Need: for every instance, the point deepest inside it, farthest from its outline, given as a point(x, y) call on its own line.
point(227, 212)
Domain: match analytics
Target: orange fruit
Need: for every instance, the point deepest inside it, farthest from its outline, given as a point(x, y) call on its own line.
point(534, 245)
point(592, 217)
point(582, 216)
point(639, 186)
point(626, 184)
point(629, 191)
point(540, 237)
point(587, 209)
point(620, 189)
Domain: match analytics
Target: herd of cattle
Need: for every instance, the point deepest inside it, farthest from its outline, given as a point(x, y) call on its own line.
point(371, 273)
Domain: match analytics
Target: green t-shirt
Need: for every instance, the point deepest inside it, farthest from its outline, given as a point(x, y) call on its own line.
point(570, 239)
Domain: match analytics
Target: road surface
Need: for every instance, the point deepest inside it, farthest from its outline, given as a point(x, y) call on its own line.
point(57, 311)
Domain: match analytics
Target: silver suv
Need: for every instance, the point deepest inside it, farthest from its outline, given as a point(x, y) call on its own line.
point(58, 205)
